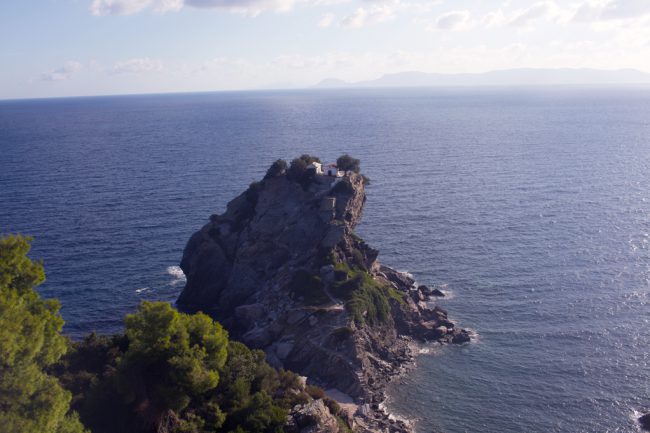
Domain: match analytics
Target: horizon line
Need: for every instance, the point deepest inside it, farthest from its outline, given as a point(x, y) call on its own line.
point(350, 85)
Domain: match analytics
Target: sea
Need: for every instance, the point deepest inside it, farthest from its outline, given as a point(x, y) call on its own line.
point(528, 206)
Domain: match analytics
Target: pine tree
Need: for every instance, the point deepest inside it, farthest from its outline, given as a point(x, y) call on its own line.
point(31, 401)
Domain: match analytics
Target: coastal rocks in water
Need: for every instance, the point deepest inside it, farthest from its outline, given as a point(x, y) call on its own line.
point(461, 337)
point(284, 272)
point(400, 278)
point(430, 292)
point(644, 422)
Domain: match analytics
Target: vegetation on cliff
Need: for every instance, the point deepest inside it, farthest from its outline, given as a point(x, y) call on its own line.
point(31, 400)
point(366, 298)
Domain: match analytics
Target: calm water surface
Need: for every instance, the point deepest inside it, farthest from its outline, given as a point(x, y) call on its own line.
point(531, 205)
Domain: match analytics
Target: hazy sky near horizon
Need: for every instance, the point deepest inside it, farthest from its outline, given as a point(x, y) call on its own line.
point(89, 47)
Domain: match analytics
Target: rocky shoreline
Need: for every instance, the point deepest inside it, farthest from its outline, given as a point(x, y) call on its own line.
point(283, 270)
point(374, 416)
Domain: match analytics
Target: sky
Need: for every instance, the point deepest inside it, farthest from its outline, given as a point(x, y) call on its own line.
point(51, 48)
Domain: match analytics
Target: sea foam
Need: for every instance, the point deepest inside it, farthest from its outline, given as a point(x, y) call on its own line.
point(177, 274)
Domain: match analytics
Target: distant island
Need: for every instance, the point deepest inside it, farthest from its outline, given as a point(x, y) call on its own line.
point(506, 77)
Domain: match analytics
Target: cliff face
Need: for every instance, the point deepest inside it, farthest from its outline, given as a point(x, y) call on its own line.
point(283, 271)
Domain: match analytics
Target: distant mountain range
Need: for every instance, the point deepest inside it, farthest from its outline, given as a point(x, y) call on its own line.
point(507, 77)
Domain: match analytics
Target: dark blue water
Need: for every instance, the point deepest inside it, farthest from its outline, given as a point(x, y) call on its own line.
point(532, 205)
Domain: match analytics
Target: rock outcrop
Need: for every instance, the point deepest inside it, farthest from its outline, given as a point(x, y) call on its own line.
point(312, 417)
point(644, 422)
point(283, 271)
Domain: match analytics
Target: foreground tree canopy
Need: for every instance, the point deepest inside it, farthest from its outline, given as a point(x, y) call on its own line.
point(168, 373)
point(175, 372)
point(30, 342)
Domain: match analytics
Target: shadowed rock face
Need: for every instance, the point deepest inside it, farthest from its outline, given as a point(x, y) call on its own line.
point(271, 229)
point(284, 272)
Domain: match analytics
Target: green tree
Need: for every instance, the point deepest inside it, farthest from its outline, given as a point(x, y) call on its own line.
point(172, 359)
point(30, 341)
point(276, 169)
point(298, 169)
point(348, 163)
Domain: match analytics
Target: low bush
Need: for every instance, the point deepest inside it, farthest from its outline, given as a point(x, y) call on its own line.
point(309, 287)
point(366, 299)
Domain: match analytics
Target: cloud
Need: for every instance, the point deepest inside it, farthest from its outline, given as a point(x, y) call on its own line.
point(119, 7)
point(524, 17)
point(494, 19)
point(63, 73)
point(368, 16)
point(250, 7)
point(546, 10)
point(130, 7)
point(454, 20)
point(137, 66)
point(591, 11)
point(326, 21)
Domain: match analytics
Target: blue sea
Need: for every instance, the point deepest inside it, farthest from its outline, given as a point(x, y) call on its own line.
point(530, 206)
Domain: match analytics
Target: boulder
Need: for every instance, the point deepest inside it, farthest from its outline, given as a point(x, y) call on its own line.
point(417, 295)
point(312, 417)
point(258, 338)
point(461, 337)
point(425, 290)
point(283, 349)
point(644, 422)
point(250, 313)
point(401, 279)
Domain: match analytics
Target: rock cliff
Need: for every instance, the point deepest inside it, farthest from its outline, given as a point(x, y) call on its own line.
point(283, 271)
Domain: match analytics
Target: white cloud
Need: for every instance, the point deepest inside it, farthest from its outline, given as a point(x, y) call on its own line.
point(63, 73)
point(524, 17)
point(453, 20)
point(249, 7)
point(494, 19)
point(130, 7)
point(326, 21)
point(624, 9)
point(372, 11)
point(137, 66)
point(368, 16)
point(590, 11)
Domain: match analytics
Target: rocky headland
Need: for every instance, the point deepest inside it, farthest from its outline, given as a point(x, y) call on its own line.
point(283, 270)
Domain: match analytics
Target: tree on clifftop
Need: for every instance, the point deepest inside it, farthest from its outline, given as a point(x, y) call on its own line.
point(348, 163)
point(276, 169)
point(31, 401)
point(298, 169)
